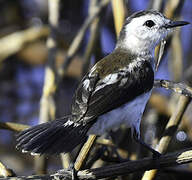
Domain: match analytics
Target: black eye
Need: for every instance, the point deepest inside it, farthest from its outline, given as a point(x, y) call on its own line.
point(149, 23)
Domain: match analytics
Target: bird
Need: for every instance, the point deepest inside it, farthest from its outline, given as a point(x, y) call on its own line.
point(113, 92)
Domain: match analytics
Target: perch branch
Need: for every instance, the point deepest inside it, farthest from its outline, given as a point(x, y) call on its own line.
point(13, 126)
point(171, 159)
point(180, 88)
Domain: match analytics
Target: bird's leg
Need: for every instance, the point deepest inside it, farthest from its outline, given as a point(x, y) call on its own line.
point(137, 138)
point(73, 172)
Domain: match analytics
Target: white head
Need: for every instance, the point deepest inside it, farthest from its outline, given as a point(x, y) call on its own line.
point(143, 30)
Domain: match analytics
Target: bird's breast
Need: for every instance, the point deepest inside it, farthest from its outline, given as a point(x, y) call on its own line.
point(129, 114)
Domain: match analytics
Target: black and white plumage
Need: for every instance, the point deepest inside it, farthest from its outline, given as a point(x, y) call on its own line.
point(113, 92)
point(112, 88)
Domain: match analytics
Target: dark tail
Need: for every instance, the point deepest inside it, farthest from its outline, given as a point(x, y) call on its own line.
point(54, 137)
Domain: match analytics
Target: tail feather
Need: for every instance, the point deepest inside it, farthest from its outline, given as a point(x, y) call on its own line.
point(25, 137)
point(45, 146)
point(30, 131)
point(72, 141)
point(53, 137)
point(40, 139)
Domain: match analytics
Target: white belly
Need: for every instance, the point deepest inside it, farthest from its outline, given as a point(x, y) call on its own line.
point(129, 114)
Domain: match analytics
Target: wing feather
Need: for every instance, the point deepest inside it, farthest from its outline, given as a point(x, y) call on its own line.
point(98, 94)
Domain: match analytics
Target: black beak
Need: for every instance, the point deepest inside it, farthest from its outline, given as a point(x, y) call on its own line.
point(173, 24)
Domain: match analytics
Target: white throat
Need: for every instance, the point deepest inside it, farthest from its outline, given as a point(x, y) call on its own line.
point(136, 45)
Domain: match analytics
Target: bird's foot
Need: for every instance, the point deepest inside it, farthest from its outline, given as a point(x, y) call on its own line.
point(156, 154)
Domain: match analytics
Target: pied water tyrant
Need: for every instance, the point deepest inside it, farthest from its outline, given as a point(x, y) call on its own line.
point(114, 92)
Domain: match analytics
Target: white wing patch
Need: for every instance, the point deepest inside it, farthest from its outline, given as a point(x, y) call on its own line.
point(133, 65)
point(34, 154)
point(113, 78)
point(136, 63)
point(24, 151)
point(109, 79)
point(86, 84)
point(123, 81)
point(92, 70)
point(69, 123)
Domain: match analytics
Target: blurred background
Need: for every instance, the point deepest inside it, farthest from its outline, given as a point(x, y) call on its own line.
point(24, 50)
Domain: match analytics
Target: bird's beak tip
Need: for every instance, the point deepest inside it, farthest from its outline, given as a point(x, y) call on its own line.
point(183, 23)
point(173, 24)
